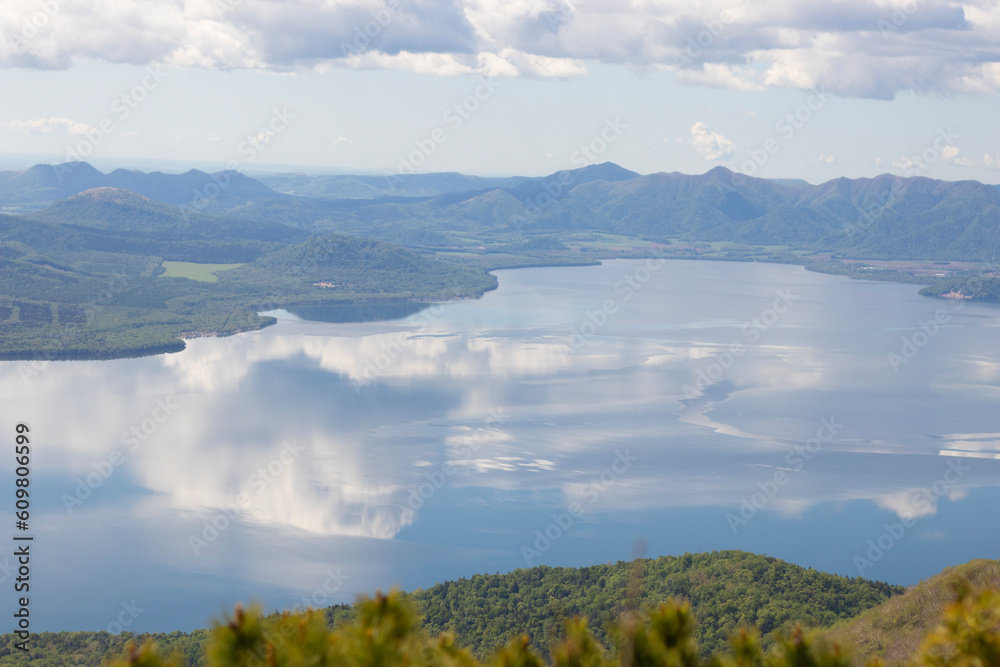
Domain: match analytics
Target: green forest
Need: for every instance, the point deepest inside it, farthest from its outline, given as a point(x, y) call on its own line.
point(726, 590)
point(99, 291)
point(386, 631)
point(972, 287)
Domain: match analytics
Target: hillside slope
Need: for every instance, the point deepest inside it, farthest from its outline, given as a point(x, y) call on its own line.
point(893, 630)
point(126, 212)
point(346, 264)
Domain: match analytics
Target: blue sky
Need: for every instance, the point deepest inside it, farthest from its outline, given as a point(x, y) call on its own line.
point(783, 89)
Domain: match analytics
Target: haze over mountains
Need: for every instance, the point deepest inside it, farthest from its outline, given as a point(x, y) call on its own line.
point(43, 183)
point(887, 216)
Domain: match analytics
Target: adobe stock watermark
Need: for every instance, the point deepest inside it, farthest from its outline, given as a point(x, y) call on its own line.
point(942, 146)
point(796, 460)
point(910, 345)
point(588, 153)
point(563, 12)
point(254, 486)
point(130, 440)
point(752, 330)
point(563, 521)
point(364, 34)
point(876, 210)
point(121, 108)
point(322, 596)
point(60, 339)
point(249, 149)
point(32, 26)
point(223, 7)
point(900, 16)
point(787, 126)
point(376, 366)
point(419, 494)
point(924, 503)
point(714, 29)
point(554, 186)
point(453, 118)
point(595, 319)
point(126, 617)
point(6, 569)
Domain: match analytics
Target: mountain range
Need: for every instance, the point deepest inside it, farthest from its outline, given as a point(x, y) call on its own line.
point(883, 217)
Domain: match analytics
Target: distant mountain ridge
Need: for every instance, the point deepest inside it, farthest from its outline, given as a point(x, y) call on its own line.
point(887, 217)
point(882, 217)
point(377, 187)
point(45, 183)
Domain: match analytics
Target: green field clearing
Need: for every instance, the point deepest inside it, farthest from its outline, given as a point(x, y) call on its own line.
point(600, 240)
point(204, 273)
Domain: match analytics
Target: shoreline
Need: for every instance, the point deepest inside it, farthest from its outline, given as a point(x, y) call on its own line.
point(179, 345)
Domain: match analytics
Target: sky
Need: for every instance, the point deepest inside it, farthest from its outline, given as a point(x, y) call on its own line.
point(782, 89)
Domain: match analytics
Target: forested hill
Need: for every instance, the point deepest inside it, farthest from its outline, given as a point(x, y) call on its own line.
point(886, 216)
point(980, 289)
point(726, 589)
point(346, 264)
point(124, 211)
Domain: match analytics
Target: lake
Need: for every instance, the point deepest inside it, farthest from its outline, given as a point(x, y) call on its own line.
point(571, 417)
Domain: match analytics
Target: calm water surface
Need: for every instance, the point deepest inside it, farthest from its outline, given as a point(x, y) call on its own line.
point(559, 420)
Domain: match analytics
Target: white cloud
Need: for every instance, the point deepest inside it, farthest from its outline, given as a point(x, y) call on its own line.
point(710, 145)
point(262, 137)
point(842, 47)
point(492, 64)
point(948, 154)
point(987, 161)
point(828, 159)
point(909, 504)
point(340, 140)
point(438, 64)
point(543, 66)
point(716, 75)
point(54, 125)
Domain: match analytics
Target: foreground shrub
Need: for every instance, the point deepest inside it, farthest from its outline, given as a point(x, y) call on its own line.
point(386, 633)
